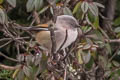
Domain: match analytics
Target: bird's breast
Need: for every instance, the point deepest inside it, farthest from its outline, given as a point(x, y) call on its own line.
point(71, 37)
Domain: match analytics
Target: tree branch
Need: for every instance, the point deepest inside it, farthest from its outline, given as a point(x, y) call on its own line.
point(15, 60)
point(2, 66)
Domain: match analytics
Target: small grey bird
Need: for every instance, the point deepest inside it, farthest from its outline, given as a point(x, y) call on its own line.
point(65, 28)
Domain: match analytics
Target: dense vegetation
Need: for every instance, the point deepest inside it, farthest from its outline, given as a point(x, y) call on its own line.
point(94, 56)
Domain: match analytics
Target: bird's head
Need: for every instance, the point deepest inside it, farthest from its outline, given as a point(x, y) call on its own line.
point(66, 21)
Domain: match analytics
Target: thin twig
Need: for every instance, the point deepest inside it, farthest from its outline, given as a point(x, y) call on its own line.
point(20, 38)
point(6, 44)
point(68, 53)
point(110, 59)
point(10, 35)
point(18, 49)
point(65, 73)
point(36, 17)
point(15, 60)
point(53, 40)
point(113, 40)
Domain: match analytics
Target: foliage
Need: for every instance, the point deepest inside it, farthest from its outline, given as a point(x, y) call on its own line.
point(5, 75)
point(94, 56)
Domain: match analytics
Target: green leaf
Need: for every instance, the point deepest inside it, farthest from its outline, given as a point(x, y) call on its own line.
point(30, 5)
point(38, 4)
point(90, 63)
point(118, 53)
point(43, 63)
point(76, 7)
point(118, 71)
point(84, 7)
point(79, 14)
point(1, 1)
point(12, 2)
point(115, 63)
point(57, 1)
point(87, 46)
point(107, 73)
point(86, 29)
point(27, 70)
point(20, 75)
point(89, 42)
point(51, 2)
point(117, 30)
point(104, 33)
point(51, 10)
point(91, 17)
point(93, 8)
point(86, 57)
point(107, 45)
point(3, 17)
point(43, 10)
point(98, 4)
point(99, 35)
point(103, 60)
point(67, 11)
point(117, 21)
point(79, 56)
point(96, 22)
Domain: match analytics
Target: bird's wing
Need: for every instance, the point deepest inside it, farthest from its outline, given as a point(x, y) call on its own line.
point(60, 37)
point(44, 39)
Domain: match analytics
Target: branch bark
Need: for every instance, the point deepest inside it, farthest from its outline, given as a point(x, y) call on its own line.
point(2, 66)
point(109, 13)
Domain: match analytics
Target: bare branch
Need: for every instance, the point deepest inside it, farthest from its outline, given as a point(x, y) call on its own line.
point(113, 40)
point(20, 38)
point(53, 40)
point(2, 66)
point(15, 60)
point(6, 43)
point(36, 17)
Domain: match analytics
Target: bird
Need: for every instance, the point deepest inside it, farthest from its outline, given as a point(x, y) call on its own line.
point(65, 28)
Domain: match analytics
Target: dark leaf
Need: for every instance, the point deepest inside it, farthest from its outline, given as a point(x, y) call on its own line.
point(76, 7)
point(98, 4)
point(30, 5)
point(86, 57)
point(51, 10)
point(117, 30)
point(115, 63)
point(12, 2)
point(94, 9)
point(79, 56)
point(84, 7)
point(96, 22)
point(38, 4)
point(20, 75)
point(43, 10)
point(117, 21)
point(1, 1)
point(3, 17)
point(67, 11)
